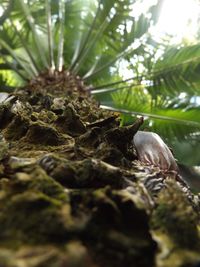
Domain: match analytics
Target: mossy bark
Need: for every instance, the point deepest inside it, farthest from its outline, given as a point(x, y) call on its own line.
point(72, 192)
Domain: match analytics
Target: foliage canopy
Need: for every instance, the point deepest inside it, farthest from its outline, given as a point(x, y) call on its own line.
point(95, 40)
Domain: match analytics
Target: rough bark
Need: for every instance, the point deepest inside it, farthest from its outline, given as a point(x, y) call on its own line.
point(72, 192)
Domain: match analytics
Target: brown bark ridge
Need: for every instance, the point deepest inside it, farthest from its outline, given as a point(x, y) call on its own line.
point(73, 193)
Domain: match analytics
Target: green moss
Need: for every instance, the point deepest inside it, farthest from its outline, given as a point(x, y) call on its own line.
point(31, 217)
point(40, 133)
point(33, 177)
point(59, 188)
point(117, 227)
point(70, 122)
point(91, 173)
point(17, 128)
point(175, 217)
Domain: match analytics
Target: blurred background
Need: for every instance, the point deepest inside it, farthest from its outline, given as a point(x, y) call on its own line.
point(137, 57)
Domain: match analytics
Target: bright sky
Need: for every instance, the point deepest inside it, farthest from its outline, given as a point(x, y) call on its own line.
point(175, 16)
point(178, 18)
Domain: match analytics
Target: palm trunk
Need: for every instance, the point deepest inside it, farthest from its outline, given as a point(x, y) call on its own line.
point(72, 192)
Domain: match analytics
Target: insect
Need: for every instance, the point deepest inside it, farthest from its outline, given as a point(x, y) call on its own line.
point(152, 150)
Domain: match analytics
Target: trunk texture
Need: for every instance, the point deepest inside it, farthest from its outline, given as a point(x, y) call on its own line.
point(73, 194)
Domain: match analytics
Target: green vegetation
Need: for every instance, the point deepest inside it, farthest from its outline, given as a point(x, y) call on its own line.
point(73, 191)
point(93, 40)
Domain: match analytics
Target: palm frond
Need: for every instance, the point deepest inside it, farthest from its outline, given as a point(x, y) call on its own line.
point(128, 41)
point(177, 71)
point(17, 59)
point(6, 12)
point(163, 117)
point(84, 40)
point(50, 37)
point(93, 39)
point(60, 60)
point(168, 115)
point(36, 37)
point(33, 62)
point(91, 44)
point(13, 67)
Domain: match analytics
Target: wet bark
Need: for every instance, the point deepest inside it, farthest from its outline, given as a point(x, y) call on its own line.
point(72, 192)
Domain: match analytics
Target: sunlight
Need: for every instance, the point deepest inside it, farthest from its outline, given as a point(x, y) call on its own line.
point(179, 18)
point(1, 11)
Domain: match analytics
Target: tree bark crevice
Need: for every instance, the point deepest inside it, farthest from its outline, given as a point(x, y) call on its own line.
point(72, 192)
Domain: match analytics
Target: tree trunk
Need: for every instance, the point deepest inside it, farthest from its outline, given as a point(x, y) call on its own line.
point(73, 193)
